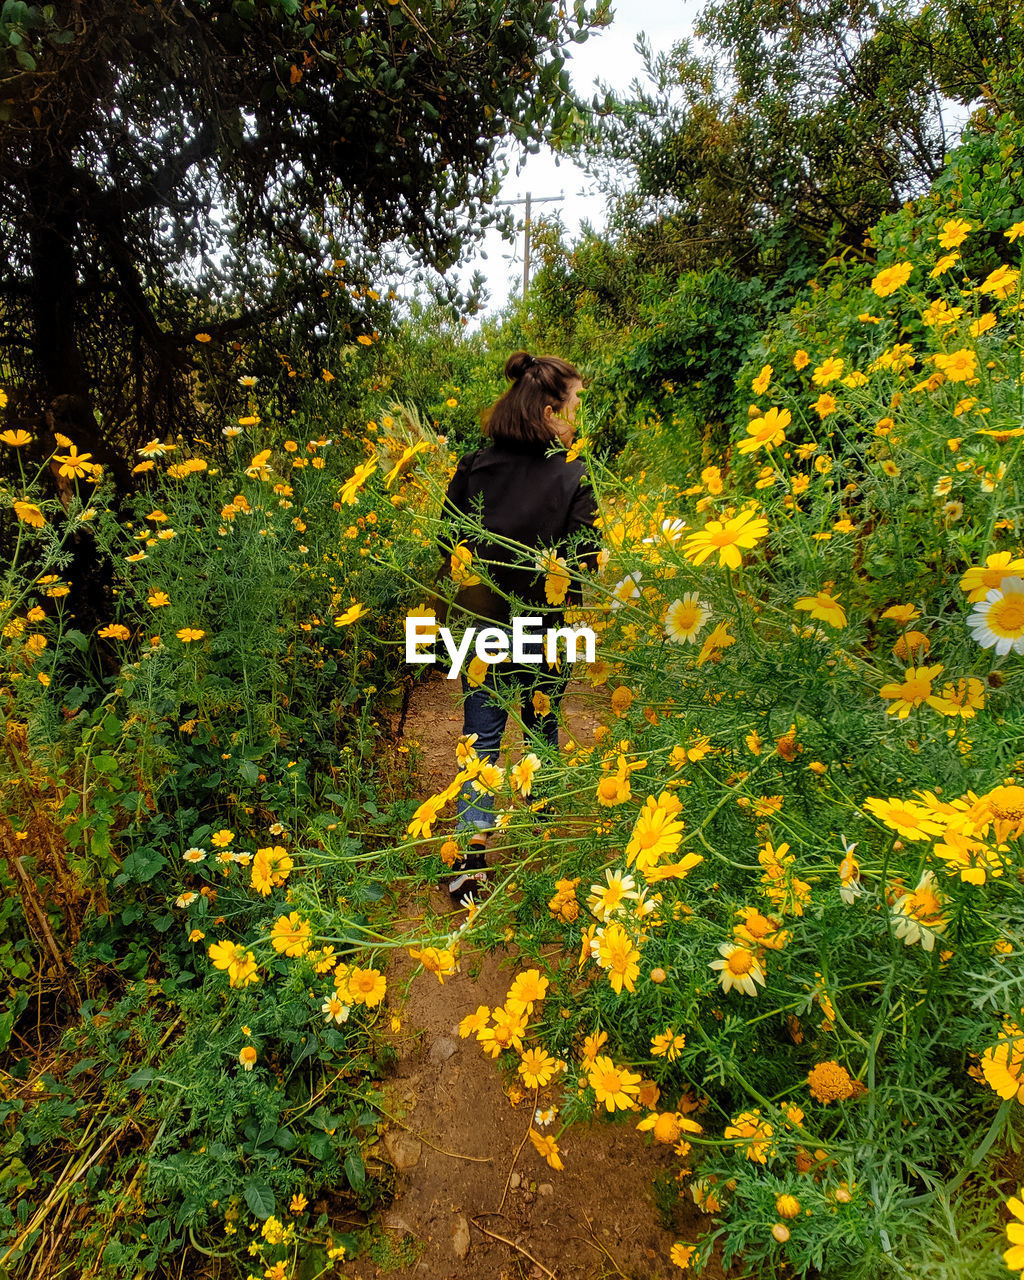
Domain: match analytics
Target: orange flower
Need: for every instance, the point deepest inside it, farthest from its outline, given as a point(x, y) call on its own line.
point(547, 1147)
point(829, 1082)
point(115, 631)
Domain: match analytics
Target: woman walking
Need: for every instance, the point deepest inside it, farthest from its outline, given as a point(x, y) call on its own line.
point(515, 489)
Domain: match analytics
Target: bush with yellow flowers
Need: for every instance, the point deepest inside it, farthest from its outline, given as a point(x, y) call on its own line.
point(775, 915)
point(769, 915)
point(195, 788)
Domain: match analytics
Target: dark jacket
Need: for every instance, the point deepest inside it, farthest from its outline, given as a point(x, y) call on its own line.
point(519, 493)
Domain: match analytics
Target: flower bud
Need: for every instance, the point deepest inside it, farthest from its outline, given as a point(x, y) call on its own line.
point(787, 1206)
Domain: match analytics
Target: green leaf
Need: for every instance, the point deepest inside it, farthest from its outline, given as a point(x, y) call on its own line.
point(83, 1065)
point(350, 1242)
point(143, 864)
point(322, 1119)
point(258, 1196)
point(248, 772)
point(99, 847)
point(285, 1139)
point(301, 1052)
point(18, 1176)
point(355, 1171)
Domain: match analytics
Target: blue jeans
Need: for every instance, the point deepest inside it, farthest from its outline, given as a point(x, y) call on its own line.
point(484, 715)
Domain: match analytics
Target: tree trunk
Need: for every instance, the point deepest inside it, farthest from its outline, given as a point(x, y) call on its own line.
point(64, 390)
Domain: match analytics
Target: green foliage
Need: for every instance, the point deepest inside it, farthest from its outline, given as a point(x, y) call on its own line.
point(276, 116)
point(676, 357)
point(794, 128)
point(393, 1254)
point(206, 809)
point(227, 702)
point(24, 27)
point(692, 336)
point(829, 678)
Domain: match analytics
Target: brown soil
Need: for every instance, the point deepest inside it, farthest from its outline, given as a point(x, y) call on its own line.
point(460, 1142)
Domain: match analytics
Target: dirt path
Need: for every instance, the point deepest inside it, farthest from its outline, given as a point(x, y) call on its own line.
point(597, 1218)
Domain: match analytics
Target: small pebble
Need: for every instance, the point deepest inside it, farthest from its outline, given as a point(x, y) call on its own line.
point(460, 1236)
point(441, 1050)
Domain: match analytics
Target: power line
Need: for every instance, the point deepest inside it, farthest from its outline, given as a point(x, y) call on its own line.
point(528, 200)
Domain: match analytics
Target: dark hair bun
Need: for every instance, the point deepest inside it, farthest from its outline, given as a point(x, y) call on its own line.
point(517, 365)
point(518, 417)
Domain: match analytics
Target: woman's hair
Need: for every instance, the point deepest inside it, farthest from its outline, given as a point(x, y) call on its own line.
point(518, 416)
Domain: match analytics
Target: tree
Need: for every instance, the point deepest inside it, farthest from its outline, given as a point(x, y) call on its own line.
point(168, 166)
point(797, 126)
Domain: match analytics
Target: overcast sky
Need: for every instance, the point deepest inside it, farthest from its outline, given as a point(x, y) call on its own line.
point(609, 56)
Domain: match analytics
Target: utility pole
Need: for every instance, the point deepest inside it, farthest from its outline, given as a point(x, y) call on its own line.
point(529, 201)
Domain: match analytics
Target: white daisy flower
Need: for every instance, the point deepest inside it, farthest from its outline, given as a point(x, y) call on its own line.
point(334, 1009)
point(998, 620)
point(626, 591)
point(606, 899)
point(685, 618)
point(739, 969)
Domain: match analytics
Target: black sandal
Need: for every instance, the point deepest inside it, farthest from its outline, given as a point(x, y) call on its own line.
point(469, 873)
point(467, 888)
